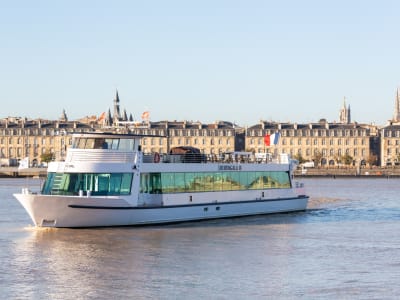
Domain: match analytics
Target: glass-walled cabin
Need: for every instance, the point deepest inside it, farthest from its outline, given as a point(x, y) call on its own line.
point(112, 143)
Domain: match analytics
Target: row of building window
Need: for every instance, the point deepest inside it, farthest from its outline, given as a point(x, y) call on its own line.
point(394, 133)
point(186, 142)
point(186, 132)
point(323, 152)
point(34, 132)
point(20, 152)
point(390, 151)
point(293, 132)
point(31, 142)
point(291, 142)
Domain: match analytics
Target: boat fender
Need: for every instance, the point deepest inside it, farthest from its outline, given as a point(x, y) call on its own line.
point(156, 158)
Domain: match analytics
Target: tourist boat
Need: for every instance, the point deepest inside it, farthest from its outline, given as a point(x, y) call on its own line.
point(106, 180)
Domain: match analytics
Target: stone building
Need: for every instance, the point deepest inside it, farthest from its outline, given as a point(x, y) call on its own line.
point(20, 138)
point(390, 145)
point(324, 143)
point(214, 138)
point(390, 138)
point(161, 136)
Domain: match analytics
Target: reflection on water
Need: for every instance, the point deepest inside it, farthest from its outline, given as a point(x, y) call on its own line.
point(152, 261)
point(345, 246)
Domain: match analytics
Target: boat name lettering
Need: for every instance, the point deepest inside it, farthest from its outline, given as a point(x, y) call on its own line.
point(229, 168)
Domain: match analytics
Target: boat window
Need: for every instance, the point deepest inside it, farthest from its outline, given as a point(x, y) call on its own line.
point(104, 143)
point(108, 143)
point(114, 144)
point(100, 144)
point(211, 182)
point(98, 184)
point(89, 144)
point(81, 143)
point(126, 144)
point(179, 182)
point(234, 179)
point(48, 183)
point(75, 142)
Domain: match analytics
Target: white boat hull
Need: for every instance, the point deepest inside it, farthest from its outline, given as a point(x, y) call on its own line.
point(68, 211)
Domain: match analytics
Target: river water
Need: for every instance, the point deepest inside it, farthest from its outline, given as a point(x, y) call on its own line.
point(345, 246)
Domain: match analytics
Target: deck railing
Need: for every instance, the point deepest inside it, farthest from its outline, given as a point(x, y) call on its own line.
point(207, 158)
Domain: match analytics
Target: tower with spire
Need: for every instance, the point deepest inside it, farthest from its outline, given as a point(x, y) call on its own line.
point(64, 117)
point(344, 115)
point(117, 115)
point(396, 115)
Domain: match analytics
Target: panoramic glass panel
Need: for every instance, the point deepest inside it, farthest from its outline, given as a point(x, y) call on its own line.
point(179, 182)
point(199, 184)
point(234, 179)
point(207, 182)
point(218, 181)
point(98, 184)
point(251, 180)
point(189, 181)
point(168, 182)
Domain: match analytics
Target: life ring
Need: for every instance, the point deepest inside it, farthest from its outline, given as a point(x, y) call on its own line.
point(156, 158)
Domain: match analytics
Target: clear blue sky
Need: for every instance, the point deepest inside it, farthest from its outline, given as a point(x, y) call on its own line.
point(239, 61)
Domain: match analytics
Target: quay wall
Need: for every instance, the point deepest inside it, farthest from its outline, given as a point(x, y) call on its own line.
point(347, 172)
point(29, 172)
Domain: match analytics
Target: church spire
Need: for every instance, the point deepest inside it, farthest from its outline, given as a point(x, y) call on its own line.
point(109, 119)
point(344, 115)
point(396, 116)
point(117, 115)
point(63, 117)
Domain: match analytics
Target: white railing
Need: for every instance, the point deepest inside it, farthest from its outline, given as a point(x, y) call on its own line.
point(211, 158)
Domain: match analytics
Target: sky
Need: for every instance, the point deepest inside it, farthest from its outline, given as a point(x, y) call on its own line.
point(238, 61)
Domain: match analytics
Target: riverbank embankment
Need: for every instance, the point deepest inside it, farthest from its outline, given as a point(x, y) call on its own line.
point(28, 172)
point(347, 172)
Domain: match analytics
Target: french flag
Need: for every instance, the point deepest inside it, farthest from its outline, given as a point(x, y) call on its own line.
point(272, 139)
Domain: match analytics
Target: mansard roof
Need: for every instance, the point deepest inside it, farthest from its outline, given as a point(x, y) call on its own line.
point(392, 127)
point(192, 125)
point(39, 123)
point(317, 125)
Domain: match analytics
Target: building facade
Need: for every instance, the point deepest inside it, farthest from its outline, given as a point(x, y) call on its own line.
point(211, 139)
point(390, 145)
point(20, 138)
point(327, 144)
point(323, 142)
point(390, 137)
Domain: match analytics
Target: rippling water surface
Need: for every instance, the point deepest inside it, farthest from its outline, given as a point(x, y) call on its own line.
point(345, 246)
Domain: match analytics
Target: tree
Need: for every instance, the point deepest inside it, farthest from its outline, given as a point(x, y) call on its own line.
point(47, 157)
point(346, 159)
point(372, 160)
point(299, 158)
point(317, 157)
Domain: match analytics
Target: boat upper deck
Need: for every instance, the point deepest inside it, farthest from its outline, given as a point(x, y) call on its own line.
point(122, 148)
